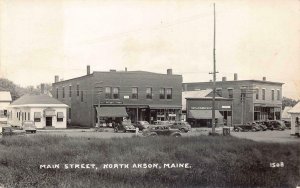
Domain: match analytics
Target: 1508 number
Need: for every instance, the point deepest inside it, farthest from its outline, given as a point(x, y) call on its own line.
point(276, 165)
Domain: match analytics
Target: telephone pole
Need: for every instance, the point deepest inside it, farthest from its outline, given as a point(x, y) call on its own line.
point(214, 77)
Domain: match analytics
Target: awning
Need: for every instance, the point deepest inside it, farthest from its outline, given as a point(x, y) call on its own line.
point(37, 115)
point(161, 106)
point(203, 114)
point(49, 113)
point(60, 115)
point(112, 112)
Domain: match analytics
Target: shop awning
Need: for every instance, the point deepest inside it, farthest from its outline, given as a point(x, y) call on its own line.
point(37, 115)
point(161, 106)
point(60, 115)
point(203, 114)
point(49, 112)
point(112, 112)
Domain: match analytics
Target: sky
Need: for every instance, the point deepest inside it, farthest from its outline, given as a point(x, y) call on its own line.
point(41, 39)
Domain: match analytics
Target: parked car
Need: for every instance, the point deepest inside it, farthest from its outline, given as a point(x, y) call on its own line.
point(183, 126)
point(142, 125)
point(124, 126)
point(287, 124)
point(242, 128)
point(10, 131)
point(160, 130)
point(29, 127)
point(255, 126)
point(262, 126)
point(277, 125)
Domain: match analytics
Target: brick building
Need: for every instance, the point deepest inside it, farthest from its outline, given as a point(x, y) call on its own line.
point(252, 99)
point(137, 95)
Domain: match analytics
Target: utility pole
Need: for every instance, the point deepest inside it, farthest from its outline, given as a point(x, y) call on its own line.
point(214, 78)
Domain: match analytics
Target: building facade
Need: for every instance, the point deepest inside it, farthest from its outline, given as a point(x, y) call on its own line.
point(46, 112)
point(252, 100)
point(136, 95)
point(5, 100)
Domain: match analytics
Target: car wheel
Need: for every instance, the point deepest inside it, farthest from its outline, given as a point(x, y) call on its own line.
point(253, 130)
point(236, 130)
point(116, 130)
point(182, 130)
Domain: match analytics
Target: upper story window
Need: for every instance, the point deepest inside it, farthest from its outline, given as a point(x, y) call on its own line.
point(134, 93)
point(263, 94)
point(243, 94)
point(81, 98)
point(77, 89)
point(219, 91)
point(148, 93)
point(257, 93)
point(162, 93)
point(273, 94)
point(115, 93)
point(169, 93)
point(230, 93)
point(70, 91)
point(107, 92)
point(278, 94)
point(57, 93)
point(63, 92)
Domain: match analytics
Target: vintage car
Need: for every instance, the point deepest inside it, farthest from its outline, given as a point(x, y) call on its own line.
point(181, 125)
point(10, 131)
point(161, 130)
point(287, 124)
point(243, 128)
point(124, 126)
point(277, 125)
point(142, 125)
point(29, 127)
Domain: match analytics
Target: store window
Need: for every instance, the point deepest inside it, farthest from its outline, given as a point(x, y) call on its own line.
point(60, 116)
point(134, 93)
point(162, 93)
point(115, 92)
point(107, 92)
point(37, 116)
point(169, 93)
point(148, 93)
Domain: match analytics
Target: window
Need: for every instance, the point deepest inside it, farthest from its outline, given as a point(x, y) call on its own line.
point(107, 92)
point(57, 93)
point(134, 93)
point(28, 115)
point(148, 93)
point(263, 94)
point(60, 117)
point(37, 116)
point(243, 94)
point(219, 91)
point(273, 93)
point(70, 91)
point(169, 93)
point(77, 89)
point(70, 113)
point(115, 92)
point(162, 93)
point(63, 92)
point(257, 94)
point(25, 116)
point(230, 93)
point(81, 96)
point(278, 94)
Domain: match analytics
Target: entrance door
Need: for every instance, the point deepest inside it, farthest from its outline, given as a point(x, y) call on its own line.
point(48, 121)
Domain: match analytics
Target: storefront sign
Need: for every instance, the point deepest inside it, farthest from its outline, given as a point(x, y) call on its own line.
point(227, 107)
point(160, 116)
point(172, 115)
point(111, 102)
point(201, 108)
point(126, 97)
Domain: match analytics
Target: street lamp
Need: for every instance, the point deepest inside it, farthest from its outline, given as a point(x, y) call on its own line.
point(99, 92)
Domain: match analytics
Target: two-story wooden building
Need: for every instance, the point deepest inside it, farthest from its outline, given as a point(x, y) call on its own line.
point(137, 95)
point(252, 100)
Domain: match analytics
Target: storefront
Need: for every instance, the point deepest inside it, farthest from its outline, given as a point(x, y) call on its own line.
point(266, 112)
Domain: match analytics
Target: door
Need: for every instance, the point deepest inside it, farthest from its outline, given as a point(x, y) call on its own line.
point(48, 121)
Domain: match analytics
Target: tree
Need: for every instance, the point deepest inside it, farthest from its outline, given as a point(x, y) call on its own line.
point(288, 102)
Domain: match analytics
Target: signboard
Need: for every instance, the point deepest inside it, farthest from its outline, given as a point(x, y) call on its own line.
point(49, 113)
point(126, 97)
point(111, 102)
point(201, 108)
point(226, 107)
point(172, 115)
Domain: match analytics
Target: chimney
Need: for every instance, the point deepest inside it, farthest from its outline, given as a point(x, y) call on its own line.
point(88, 69)
point(56, 79)
point(112, 70)
point(125, 69)
point(42, 88)
point(235, 76)
point(264, 78)
point(169, 71)
point(223, 79)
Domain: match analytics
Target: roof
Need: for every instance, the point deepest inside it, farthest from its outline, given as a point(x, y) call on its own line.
point(285, 112)
point(5, 96)
point(259, 81)
point(36, 99)
point(295, 109)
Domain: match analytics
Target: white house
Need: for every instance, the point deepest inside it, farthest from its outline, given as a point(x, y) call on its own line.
point(5, 100)
point(44, 110)
point(295, 124)
point(285, 115)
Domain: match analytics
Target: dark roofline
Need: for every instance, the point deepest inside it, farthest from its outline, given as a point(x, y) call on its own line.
point(117, 72)
point(260, 81)
point(209, 98)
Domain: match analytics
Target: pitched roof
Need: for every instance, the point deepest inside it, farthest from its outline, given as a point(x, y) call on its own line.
point(295, 109)
point(36, 99)
point(5, 96)
point(285, 112)
point(196, 94)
